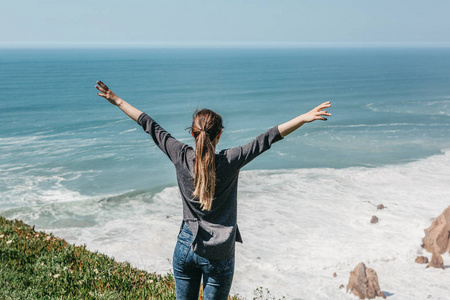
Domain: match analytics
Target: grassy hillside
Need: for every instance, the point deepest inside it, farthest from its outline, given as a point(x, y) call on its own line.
point(35, 265)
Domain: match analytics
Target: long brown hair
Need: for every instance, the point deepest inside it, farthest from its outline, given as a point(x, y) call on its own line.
point(206, 126)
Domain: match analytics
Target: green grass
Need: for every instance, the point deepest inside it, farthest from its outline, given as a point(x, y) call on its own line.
point(35, 265)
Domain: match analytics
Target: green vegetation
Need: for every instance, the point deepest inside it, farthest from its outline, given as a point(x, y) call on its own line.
point(35, 265)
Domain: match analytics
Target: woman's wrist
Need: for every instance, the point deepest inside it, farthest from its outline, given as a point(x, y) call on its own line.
point(300, 120)
point(119, 102)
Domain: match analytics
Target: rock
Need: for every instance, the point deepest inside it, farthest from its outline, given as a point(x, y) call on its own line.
point(334, 274)
point(341, 286)
point(363, 283)
point(380, 206)
point(436, 261)
point(437, 236)
point(374, 220)
point(421, 260)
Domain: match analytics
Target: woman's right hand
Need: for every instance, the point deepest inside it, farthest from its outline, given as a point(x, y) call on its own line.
point(107, 93)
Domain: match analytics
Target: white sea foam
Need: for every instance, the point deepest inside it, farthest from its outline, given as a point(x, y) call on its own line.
point(303, 225)
point(420, 107)
point(386, 125)
point(129, 130)
point(26, 188)
point(299, 227)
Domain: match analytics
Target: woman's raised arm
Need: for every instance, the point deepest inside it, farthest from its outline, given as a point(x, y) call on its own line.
point(316, 114)
point(109, 95)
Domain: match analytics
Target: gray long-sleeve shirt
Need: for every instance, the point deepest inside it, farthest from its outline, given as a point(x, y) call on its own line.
point(215, 231)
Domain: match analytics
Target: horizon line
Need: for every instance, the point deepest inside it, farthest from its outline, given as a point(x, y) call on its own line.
point(118, 45)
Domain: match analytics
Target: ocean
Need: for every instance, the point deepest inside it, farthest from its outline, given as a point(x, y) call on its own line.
point(75, 165)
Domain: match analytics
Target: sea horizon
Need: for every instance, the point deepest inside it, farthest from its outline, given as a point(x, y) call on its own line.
point(217, 45)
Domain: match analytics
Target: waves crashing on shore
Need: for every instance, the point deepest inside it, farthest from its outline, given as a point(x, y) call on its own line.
point(299, 227)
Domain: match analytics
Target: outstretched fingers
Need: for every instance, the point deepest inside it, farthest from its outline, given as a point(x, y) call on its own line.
point(319, 117)
point(102, 88)
point(323, 105)
point(102, 85)
point(102, 92)
point(320, 113)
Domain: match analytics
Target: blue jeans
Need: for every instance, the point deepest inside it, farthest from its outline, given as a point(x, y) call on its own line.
point(188, 269)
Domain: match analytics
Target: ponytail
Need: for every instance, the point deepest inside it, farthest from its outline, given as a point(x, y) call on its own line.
point(205, 171)
point(206, 126)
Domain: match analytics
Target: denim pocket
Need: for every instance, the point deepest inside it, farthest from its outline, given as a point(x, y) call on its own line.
point(185, 238)
point(180, 253)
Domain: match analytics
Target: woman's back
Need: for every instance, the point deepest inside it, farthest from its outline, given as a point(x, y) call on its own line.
point(215, 231)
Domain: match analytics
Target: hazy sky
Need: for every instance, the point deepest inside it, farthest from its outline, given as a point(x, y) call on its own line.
point(226, 21)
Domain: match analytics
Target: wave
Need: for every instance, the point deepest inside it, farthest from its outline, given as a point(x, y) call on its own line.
point(36, 190)
point(386, 125)
point(129, 130)
point(420, 107)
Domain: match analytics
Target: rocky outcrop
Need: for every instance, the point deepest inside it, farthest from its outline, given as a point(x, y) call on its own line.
point(437, 236)
point(374, 220)
point(363, 283)
point(436, 261)
point(421, 260)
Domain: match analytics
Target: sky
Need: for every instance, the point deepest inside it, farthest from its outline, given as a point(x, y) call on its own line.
point(213, 22)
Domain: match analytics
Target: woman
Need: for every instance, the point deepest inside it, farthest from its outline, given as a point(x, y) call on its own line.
point(208, 186)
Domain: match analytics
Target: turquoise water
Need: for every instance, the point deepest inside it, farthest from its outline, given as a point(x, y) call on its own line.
point(60, 142)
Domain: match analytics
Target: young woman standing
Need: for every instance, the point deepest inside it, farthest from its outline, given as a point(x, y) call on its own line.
point(208, 185)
